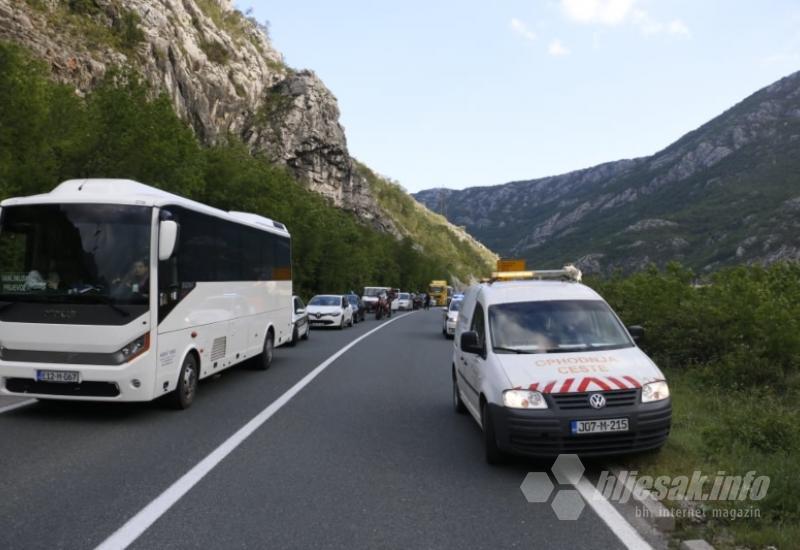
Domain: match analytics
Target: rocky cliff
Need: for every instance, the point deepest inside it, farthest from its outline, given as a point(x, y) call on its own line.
point(219, 69)
point(725, 193)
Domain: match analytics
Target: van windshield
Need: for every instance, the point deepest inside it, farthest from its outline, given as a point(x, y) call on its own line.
point(75, 253)
point(373, 291)
point(559, 326)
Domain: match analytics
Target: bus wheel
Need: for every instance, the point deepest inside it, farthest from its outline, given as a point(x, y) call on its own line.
point(183, 396)
point(264, 361)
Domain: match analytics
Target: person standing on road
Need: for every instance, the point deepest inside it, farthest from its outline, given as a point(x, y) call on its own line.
point(427, 301)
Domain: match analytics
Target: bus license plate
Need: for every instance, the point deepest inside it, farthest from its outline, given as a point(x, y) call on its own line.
point(64, 376)
point(580, 427)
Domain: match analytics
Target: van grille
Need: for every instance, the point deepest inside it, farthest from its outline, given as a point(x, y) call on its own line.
point(614, 398)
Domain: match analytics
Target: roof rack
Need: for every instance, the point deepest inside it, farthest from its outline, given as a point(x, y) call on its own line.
point(567, 273)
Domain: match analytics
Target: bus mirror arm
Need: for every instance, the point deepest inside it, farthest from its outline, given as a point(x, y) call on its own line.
point(167, 238)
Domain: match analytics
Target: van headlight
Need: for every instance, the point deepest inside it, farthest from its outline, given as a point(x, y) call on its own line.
point(524, 399)
point(133, 349)
point(655, 391)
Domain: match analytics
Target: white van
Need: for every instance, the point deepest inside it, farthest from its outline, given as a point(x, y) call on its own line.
point(546, 367)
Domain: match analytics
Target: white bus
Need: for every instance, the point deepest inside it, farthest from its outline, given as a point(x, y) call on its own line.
point(111, 290)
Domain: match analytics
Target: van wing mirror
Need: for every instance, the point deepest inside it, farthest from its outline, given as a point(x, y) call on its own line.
point(469, 343)
point(167, 239)
point(636, 332)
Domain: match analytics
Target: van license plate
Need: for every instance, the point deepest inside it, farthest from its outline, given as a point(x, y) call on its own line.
point(580, 427)
point(65, 376)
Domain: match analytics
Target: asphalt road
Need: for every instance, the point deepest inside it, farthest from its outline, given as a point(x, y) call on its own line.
point(369, 455)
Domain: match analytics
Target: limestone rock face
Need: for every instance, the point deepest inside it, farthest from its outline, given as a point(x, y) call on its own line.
point(221, 72)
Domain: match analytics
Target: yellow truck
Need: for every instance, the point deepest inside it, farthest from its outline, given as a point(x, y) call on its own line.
point(438, 292)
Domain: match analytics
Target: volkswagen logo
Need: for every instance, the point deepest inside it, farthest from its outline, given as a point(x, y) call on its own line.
point(597, 401)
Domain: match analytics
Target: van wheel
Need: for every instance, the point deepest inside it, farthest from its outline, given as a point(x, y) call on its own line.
point(493, 453)
point(458, 404)
point(308, 331)
point(264, 361)
point(183, 396)
point(295, 337)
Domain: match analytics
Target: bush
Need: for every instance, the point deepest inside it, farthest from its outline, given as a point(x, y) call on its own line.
point(731, 351)
point(742, 328)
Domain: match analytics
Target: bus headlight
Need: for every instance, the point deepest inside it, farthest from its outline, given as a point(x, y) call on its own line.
point(524, 399)
point(134, 349)
point(655, 391)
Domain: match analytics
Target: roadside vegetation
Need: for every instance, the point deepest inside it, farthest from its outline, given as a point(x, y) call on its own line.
point(730, 349)
point(49, 134)
point(431, 231)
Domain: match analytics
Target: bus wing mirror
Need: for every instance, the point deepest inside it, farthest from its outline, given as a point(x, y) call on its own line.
point(167, 239)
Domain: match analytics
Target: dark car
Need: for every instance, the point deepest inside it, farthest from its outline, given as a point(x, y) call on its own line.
point(359, 310)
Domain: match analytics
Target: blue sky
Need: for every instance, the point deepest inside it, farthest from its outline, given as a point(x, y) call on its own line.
point(464, 93)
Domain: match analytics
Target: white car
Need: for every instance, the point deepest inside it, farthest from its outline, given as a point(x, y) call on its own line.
point(403, 302)
point(451, 317)
point(330, 310)
point(546, 367)
point(370, 296)
point(300, 326)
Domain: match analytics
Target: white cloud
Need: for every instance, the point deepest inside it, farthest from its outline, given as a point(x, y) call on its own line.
point(557, 49)
point(677, 26)
point(618, 12)
point(646, 24)
point(521, 29)
point(604, 12)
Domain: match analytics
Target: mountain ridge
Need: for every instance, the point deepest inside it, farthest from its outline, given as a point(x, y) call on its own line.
point(556, 218)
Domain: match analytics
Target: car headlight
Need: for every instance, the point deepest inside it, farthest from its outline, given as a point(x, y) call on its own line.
point(524, 399)
point(655, 391)
point(133, 349)
point(336, 313)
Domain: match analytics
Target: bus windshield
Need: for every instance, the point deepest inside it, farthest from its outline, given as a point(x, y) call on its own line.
point(75, 253)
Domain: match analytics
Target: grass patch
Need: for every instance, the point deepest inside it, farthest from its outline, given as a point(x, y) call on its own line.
point(215, 52)
point(733, 432)
point(109, 26)
point(731, 352)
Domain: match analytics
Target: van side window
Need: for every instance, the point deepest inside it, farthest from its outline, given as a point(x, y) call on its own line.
point(478, 325)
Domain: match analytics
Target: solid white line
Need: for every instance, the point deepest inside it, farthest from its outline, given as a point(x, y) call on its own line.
point(139, 523)
point(17, 405)
point(629, 536)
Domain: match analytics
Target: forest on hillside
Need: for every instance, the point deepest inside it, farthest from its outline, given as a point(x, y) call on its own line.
point(49, 134)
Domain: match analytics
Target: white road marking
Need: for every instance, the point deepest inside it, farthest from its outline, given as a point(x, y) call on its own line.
point(629, 536)
point(148, 515)
point(17, 405)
